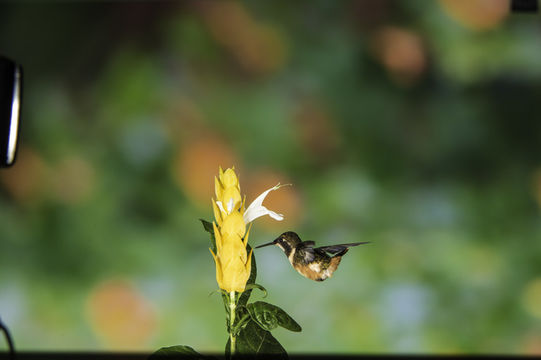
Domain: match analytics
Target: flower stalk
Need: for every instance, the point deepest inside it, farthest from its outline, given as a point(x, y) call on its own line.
point(231, 230)
point(232, 312)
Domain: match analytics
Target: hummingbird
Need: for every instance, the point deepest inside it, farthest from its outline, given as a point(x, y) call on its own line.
point(314, 263)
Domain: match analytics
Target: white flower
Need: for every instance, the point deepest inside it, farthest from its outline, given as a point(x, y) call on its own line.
point(256, 208)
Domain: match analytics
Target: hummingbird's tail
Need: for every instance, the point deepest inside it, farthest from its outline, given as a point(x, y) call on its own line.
point(341, 253)
point(341, 249)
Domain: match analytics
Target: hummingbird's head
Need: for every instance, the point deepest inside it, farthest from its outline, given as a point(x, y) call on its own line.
point(287, 241)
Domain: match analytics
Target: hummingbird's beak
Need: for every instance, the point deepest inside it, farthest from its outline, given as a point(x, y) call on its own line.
point(267, 244)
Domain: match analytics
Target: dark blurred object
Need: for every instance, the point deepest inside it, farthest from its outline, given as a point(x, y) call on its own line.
point(524, 5)
point(7, 335)
point(10, 102)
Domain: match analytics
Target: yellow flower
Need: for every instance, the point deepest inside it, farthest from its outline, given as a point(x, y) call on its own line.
point(233, 263)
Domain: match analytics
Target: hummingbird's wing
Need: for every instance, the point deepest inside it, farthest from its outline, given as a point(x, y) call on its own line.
point(334, 249)
point(307, 253)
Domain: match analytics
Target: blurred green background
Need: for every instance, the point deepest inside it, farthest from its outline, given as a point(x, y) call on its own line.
point(411, 124)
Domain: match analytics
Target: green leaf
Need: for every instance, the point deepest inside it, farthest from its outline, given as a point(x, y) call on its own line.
point(254, 342)
point(270, 316)
point(210, 229)
point(257, 286)
point(208, 226)
point(176, 352)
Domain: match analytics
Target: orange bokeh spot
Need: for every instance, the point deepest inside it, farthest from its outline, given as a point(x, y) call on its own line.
point(285, 201)
point(27, 179)
point(402, 52)
point(73, 179)
point(121, 317)
point(477, 14)
point(258, 48)
point(196, 165)
point(531, 345)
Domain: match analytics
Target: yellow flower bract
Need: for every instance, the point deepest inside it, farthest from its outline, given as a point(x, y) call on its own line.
point(233, 263)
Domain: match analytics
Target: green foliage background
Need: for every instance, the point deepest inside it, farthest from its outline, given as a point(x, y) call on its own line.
point(437, 164)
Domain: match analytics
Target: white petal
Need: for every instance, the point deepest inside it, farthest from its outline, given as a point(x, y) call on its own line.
point(261, 211)
point(220, 206)
point(230, 205)
point(256, 208)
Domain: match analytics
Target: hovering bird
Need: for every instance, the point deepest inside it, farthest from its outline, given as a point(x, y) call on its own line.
point(314, 263)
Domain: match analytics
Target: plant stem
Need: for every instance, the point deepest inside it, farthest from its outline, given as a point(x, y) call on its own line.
point(232, 312)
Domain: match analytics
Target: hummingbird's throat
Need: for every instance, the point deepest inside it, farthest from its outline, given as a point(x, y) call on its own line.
point(291, 255)
point(286, 248)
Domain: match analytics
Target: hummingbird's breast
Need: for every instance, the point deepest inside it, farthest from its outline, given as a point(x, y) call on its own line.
point(319, 269)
